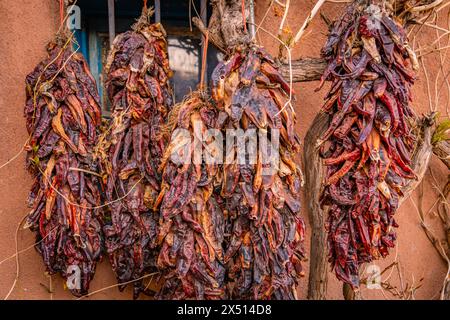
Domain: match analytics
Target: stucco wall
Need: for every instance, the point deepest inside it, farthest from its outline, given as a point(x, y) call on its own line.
point(25, 28)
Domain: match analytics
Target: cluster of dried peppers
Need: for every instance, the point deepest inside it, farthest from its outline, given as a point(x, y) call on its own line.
point(368, 145)
point(212, 230)
point(131, 148)
point(263, 230)
point(192, 220)
point(62, 114)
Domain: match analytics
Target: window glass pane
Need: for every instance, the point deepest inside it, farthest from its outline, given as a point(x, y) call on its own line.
point(184, 61)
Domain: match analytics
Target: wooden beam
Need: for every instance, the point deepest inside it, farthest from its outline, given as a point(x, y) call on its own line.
point(314, 177)
point(204, 11)
point(442, 151)
point(304, 69)
point(111, 21)
point(252, 27)
point(213, 38)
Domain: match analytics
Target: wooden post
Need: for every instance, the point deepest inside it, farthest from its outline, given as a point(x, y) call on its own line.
point(251, 19)
point(111, 21)
point(157, 11)
point(204, 15)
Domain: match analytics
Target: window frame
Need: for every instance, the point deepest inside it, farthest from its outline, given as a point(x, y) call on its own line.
point(91, 43)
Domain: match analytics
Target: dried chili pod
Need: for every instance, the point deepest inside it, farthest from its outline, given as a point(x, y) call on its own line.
point(131, 148)
point(371, 134)
point(62, 113)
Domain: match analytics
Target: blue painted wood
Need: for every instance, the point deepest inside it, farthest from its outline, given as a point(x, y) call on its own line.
point(82, 39)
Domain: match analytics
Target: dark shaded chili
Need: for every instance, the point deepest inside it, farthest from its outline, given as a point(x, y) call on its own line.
point(62, 114)
point(131, 148)
point(368, 158)
point(263, 232)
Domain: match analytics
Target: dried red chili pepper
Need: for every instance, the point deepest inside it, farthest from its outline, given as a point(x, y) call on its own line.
point(62, 114)
point(191, 210)
point(368, 144)
point(132, 147)
point(263, 230)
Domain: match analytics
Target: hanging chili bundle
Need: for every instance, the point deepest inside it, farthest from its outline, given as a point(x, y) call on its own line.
point(192, 219)
point(62, 113)
point(263, 230)
point(131, 149)
point(368, 144)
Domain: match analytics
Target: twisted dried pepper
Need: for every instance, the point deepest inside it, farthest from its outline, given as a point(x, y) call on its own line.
point(368, 145)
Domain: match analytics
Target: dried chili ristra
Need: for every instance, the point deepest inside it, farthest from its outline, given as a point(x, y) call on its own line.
point(263, 230)
point(131, 148)
point(368, 145)
point(62, 114)
point(191, 210)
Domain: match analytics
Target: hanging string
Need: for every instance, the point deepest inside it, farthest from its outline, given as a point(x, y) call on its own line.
point(204, 58)
point(244, 19)
point(145, 4)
